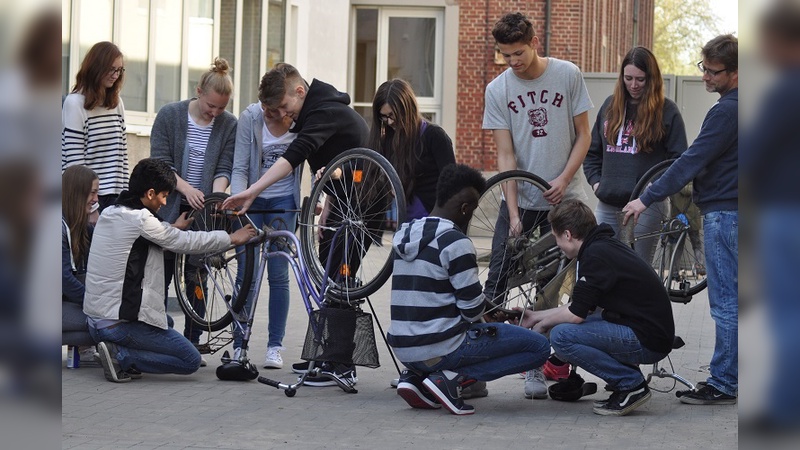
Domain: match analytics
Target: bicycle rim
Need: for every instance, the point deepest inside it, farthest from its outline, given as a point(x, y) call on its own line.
point(206, 285)
point(358, 188)
point(675, 241)
point(523, 265)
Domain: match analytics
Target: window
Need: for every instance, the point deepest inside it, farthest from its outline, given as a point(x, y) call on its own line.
point(398, 43)
point(168, 44)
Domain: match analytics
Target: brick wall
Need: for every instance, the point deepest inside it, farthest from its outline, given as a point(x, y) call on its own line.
point(594, 34)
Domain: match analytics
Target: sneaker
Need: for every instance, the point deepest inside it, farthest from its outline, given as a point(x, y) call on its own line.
point(413, 391)
point(346, 373)
point(394, 382)
point(475, 389)
point(203, 361)
point(107, 354)
point(446, 387)
point(554, 372)
point(623, 402)
point(134, 373)
point(300, 368)
point(707, 395)
point(273, 359)
point(535, 384)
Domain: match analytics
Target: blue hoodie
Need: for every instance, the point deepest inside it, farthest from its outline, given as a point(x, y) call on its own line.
point(712, 161)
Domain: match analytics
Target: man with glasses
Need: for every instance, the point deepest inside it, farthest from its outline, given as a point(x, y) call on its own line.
point(712, 162)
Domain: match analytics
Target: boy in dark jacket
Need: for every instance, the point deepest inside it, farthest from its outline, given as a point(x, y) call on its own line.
point(326, 126)
point(619, 315)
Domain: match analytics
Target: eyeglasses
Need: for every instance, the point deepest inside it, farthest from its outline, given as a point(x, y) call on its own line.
point(387, 117)
point(710, 72)
point(116, 71)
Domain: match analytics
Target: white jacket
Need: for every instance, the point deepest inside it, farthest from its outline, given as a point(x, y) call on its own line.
point(125, 272)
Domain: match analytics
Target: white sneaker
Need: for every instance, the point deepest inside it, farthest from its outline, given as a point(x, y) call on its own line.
point(535, 384)
point(203, 361)
point(274, 360)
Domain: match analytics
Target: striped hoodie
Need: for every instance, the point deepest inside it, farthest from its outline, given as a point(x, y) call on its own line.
point(436, 292)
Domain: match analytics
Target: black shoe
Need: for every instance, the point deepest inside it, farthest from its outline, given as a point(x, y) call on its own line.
point(707, 395)
point(300, 368)
point(623, 402)
point(446, 387)
point(134, 373)
point(413, 391)
point(329, 371)
point(107, 354)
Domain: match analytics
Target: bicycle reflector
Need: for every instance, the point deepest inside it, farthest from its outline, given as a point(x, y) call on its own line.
point(358, 174)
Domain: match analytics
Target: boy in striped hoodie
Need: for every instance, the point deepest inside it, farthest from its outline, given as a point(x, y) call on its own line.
point(437, 304)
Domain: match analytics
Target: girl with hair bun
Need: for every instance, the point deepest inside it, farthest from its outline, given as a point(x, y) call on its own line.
point(196, 137)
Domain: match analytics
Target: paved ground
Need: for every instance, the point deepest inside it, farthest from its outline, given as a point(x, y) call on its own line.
point(199, 411)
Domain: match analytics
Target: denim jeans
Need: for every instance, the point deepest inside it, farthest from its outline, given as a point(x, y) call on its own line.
point(604, 349)
point(486, 355)
point(779, 252)
point(150, 349)
point(649, 222)
point(721, 236)
point(497, 278)
point(277, 269)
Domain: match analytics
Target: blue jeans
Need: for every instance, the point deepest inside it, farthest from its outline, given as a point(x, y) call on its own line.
point(277, 270)
point(604, 349)
point(779, 258)
point(485, 355)
point(721, 229)
point(150, 349)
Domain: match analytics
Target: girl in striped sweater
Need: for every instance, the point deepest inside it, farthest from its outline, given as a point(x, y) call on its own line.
point(93, 121)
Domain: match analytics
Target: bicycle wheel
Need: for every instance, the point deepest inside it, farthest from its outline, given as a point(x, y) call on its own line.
point(515, 270)
point(206, 284)
point(352, 198)
point(676, 238)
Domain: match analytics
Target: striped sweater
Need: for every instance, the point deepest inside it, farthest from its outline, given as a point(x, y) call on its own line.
point(97, 140)
point(436, 292)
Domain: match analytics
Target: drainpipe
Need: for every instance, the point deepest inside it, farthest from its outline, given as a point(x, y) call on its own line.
point(635, 23)
point(547, 7)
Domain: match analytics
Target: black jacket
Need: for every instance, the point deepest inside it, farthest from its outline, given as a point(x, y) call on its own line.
point(325, 127)
point(613, 277)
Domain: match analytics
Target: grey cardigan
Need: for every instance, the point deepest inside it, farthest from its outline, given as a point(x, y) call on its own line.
point(247, 156)
point(168, 142)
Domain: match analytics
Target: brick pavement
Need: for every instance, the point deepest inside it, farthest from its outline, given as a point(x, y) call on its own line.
point(199, 412)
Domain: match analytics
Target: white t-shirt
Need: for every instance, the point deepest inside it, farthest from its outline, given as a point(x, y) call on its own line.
point(539, 114)
point(197, 139)
point(272, 148)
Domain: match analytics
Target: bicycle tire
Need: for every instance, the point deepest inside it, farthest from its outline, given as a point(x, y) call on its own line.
point(220, 290)
point(358, 200)
point(687, 275)
point(526, 263)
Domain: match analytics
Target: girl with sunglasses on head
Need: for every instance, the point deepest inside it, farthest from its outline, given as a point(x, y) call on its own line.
point(417, 149)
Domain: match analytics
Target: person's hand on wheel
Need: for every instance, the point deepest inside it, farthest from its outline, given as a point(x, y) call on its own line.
point(241, 201)
point(183, 221)
point(242, 235)
point(195, 198)
point(633, 208)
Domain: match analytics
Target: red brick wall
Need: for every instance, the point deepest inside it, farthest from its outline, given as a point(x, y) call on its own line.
point(594, 34)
